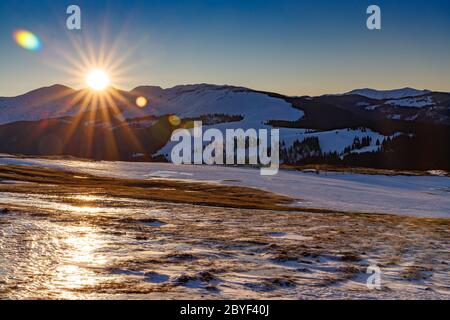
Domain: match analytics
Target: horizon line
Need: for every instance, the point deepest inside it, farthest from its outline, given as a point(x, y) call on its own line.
point(222, 85)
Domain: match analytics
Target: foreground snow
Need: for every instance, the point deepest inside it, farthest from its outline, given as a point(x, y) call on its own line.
point(86, 243)
point(80, 246)
point(426, 196)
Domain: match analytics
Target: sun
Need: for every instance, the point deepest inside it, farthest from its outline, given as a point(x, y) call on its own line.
point(98, 80)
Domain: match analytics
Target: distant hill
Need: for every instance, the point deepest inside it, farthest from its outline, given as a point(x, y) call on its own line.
point(388, 94)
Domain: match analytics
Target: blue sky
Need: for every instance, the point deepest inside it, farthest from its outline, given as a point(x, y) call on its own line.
point(293, 47)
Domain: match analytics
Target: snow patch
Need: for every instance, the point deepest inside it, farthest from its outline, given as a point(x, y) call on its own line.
point(412, 102)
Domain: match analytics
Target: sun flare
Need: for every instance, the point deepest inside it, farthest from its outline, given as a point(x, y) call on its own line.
point(97, 80)
point(99, 68)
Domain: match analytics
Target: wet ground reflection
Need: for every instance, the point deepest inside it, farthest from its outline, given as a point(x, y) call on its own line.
point(95, 247)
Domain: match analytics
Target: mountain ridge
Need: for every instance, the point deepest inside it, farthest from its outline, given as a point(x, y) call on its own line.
point(389, 94)
point(339, 129)
point(193, 100)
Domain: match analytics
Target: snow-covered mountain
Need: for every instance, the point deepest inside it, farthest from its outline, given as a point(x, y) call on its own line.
point(190, 101)
point(388, 94)
point(43, 103)
point(60, 121)
point(185, 101)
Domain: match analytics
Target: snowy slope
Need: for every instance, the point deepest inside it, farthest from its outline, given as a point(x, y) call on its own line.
point(388, 94)
point(416, 102)
point(195, 100)
point(330, 141)
point(43, 103)
point(185, 101)
point(256, 108)
point(334, 140)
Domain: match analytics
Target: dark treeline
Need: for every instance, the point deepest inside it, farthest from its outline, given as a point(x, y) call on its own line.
point(215, 118)
point(308, 147)
point(423, 151)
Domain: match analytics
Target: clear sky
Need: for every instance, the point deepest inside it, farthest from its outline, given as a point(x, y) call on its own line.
point(288, 46)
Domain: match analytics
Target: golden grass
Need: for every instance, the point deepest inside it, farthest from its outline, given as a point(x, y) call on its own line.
point(59, 183)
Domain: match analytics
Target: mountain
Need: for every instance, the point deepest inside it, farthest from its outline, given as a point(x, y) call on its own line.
point(59, 101)
point(185, 101)
point(350, 129)
point(388, 94)
point(190, 101)
point(38, 104)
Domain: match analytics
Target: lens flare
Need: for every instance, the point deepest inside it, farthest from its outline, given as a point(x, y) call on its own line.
point(174, 120)
point(141, 102)
point(27, 40)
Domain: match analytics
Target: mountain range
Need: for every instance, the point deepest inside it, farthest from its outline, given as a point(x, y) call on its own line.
point(362, 127)
point(388, 94)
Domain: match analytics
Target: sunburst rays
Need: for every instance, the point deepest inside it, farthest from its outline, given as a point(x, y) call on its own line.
point(102, 107)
